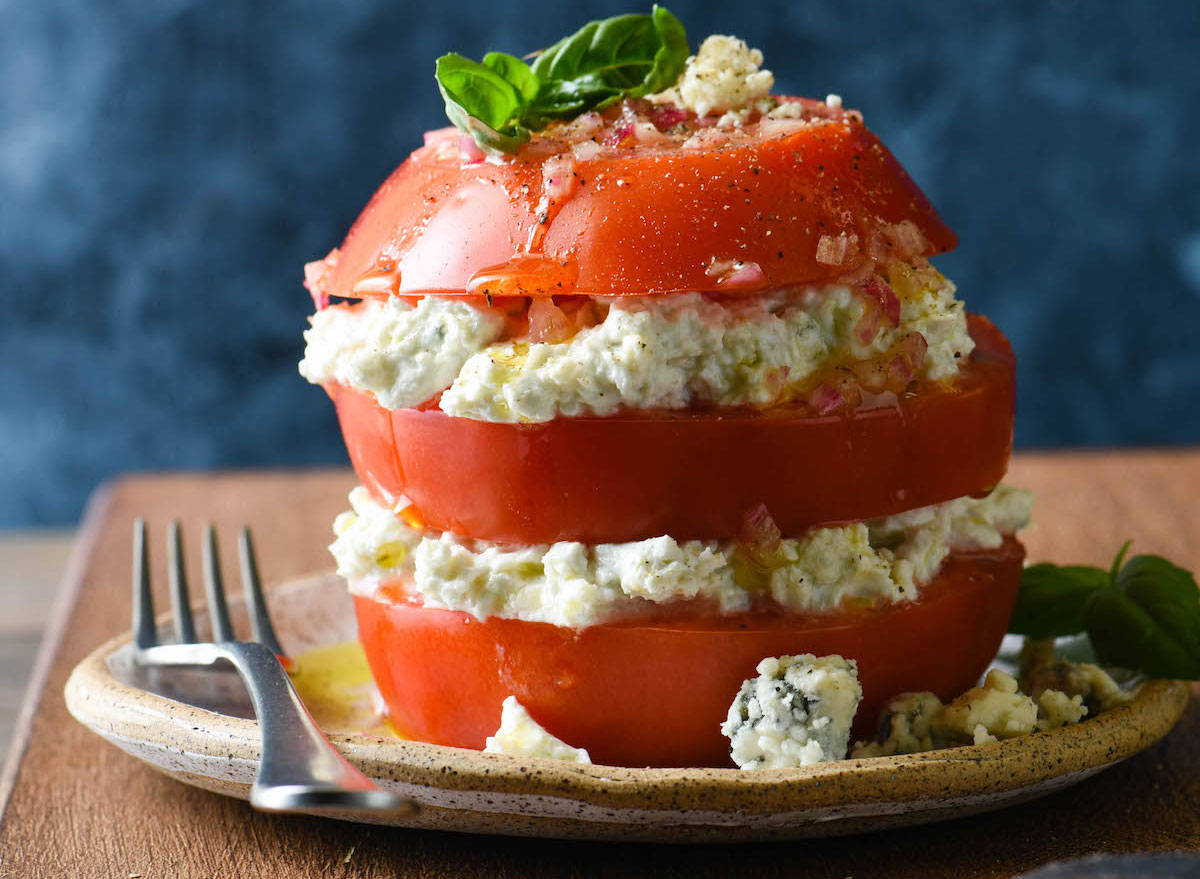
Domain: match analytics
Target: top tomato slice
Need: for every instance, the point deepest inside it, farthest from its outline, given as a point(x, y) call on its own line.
point(687, 474)
point(631, 222)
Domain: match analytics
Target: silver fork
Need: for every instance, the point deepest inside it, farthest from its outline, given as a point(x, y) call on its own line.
point(300, 770)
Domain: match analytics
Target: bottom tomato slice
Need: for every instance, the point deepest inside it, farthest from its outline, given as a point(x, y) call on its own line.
point(654, 693)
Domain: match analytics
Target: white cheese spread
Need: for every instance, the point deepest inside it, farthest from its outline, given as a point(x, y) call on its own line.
point(404, 354)
point(521, 735)
point(797, 712)
point(579, 585)
point(648, 352)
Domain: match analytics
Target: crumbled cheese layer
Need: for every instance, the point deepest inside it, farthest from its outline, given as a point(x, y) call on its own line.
point(999, 709)
point(797, 712)
point(404, 354)
point(578, 585)
point(648, 352)
point(724, 75)
point(521, 735)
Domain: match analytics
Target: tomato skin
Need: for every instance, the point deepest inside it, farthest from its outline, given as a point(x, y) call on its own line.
point(642, 222)
point(639, 693)
point(687, 474)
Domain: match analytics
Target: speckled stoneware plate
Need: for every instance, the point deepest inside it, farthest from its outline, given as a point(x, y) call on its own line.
point(208, 738)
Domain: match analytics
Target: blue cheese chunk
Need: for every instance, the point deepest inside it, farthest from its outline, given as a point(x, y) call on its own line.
point(521, 735)
point(795, 713)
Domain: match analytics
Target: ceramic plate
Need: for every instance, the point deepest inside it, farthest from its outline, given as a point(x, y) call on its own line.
point(197, 727)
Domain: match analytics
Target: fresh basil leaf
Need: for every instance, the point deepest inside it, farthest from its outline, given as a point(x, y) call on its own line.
point(1169, 596)
point(624, 56)
point(1051, 601)
point(1125, 634)
point(515, 72)
point(501, 100)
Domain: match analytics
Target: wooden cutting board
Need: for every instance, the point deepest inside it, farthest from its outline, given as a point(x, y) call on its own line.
point(75, 806)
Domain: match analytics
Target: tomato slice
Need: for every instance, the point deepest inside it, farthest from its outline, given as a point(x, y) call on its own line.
point(653, 693)
point(687, 474)
point(638, 221)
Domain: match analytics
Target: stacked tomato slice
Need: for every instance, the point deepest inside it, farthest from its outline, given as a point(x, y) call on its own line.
point(653, 689)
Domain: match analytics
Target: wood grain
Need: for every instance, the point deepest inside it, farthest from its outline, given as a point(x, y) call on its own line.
point(74, 806)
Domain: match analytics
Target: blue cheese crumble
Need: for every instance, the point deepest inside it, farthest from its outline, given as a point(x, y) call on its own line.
point(521, 735)
point(797, 712)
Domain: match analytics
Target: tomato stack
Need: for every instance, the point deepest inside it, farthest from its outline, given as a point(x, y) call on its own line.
point(652, 689)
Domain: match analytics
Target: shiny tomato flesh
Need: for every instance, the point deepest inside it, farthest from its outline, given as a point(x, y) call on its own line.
point(654, 692)
point(688, 474)
point(650, 220)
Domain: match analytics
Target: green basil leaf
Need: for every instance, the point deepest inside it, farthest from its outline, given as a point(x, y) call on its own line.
point(623, 56)
point(482, 102)
point(1124, 634)
point(501, 100)
point(515, 72)
point(1051, 601)
point(1167, 595)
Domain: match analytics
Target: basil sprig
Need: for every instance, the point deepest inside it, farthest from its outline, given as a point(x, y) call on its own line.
point(501, 100)
point(1143, 614)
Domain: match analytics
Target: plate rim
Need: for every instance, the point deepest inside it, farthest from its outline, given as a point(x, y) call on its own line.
point(96, 698)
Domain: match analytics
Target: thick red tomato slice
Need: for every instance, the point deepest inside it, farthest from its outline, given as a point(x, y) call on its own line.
point(690, 475)
point(635, 221)
point(640, 693)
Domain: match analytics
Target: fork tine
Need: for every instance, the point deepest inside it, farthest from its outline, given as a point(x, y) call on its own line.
point(144, 634)
point(218, 611)
point(181, 605)
point(260, 619)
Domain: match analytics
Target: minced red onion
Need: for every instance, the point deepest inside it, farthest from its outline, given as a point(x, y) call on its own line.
point(469, 150)
point(879, 292)
point(558, 177)
point(547, 322)
point(826, 399)
point(665, 116)
point(909, 241)
point(758, 536)
point(832, 250)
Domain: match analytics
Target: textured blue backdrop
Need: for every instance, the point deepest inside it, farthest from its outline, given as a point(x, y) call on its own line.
point(167, 167)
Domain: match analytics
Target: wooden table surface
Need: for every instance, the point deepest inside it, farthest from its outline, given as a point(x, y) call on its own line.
point(75, 806)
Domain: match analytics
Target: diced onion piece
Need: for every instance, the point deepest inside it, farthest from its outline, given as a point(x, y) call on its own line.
point(878, 292)
point(759, 537)
point(665, 116)
point(869, 324)
point(470, 151)
point(547, 323)
point(909, 241)
point(735, 273)
point(914, 347)
point(825, 399)
point(832, 250)
point(558, 177)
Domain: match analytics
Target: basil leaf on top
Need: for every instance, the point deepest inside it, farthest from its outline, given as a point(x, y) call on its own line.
point(485, 100)
point(500, 101)
point(625, 56)
point(1142, 614)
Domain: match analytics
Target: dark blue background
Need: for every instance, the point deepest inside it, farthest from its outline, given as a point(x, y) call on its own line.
point(167, 167)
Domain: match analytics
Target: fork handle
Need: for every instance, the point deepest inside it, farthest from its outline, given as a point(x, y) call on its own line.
point(300, 770)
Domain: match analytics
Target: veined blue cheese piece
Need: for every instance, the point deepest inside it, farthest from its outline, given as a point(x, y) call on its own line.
point(521, 735)
point(578, 585)
point(797, 712)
